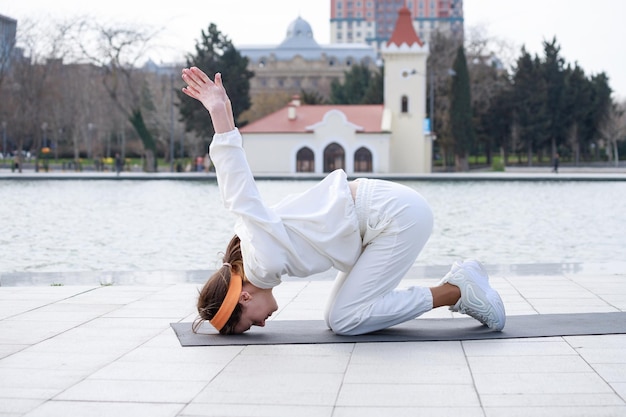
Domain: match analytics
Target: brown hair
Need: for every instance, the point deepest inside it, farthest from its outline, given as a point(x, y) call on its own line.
point(214, 291)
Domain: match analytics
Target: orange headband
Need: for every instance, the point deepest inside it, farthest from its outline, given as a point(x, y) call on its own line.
point(230, 302)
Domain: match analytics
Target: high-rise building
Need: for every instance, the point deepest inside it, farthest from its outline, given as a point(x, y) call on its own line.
point(8, 29)
point(372, 21)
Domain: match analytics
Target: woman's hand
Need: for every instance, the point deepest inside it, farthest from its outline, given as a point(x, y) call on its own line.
point(213, 97)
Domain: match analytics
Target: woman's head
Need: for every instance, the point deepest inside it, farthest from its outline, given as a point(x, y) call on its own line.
point(252, 306)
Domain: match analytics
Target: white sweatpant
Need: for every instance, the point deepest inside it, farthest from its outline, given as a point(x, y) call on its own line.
point(395, 224)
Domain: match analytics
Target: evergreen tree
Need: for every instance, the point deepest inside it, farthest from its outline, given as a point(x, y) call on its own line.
point(375, 94)
point(576, 101)
point(360, 86)
point(600, 107)
point(552, 70)
point(461, 125)
point(312, 97)
point(529, 97)
point(216, 53)
point(498, 120)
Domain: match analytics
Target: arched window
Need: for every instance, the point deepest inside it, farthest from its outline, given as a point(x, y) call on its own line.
point(363, 160)
point(305, 160)
point(334, 157)
point(405, 104)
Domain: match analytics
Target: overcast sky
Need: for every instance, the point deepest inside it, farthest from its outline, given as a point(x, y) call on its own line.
point(590, 33)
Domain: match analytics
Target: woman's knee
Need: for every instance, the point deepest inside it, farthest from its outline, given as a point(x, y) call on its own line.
point(341, 323)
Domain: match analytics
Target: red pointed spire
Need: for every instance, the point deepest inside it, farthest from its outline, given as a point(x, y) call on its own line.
point(404, 31)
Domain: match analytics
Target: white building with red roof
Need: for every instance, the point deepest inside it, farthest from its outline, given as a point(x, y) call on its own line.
point(360, 139)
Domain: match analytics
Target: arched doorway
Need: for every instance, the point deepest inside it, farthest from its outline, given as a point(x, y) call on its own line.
point(305, 160)
point(334, 157)
point(363, 160)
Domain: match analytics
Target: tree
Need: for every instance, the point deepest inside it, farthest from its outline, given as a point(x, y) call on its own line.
point(116, 49)
point(497, 121)
point(375, 94)
point(443, 51)
point(529, 96)
point(601, 104)
point(461, 124)
point(360, 86)
point(576, 101)
point(264, 104)
point(552, 71)
point(35, 92)
point(214, 52)
point(312, 97)
point(489, 86)
point(613, 130)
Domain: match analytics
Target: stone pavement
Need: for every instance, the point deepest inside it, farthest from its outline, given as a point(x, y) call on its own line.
point(86, 349)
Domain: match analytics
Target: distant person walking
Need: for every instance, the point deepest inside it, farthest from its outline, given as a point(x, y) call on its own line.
point(555, 167)
point(119, 163)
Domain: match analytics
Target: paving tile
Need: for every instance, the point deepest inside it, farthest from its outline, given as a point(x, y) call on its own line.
point(140, 391)
point(317, 350)
point(272, 388)
point(185, 355)
point(518, 347)
point(159, 371)
point(420, 411)
point(407, 395)
point(18, 332)
point(611, 372)
point(527, 411)
point(19, 380)
point(84, 362)
point(597, 341)
point(603, 355)
point(450, 353)
point(551, 400)
point(105, 409)
point(18, 406)
point(6, 350)
point(620, 389)
point(541, 383)
point(254, 410)
point(408, 373)
point(152, 309)
point(289, 364)
point(527, 364)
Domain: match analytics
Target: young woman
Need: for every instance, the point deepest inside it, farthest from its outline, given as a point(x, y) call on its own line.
point(370, 230)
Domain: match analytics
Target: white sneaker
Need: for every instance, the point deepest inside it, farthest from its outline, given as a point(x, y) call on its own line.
point(478, 299)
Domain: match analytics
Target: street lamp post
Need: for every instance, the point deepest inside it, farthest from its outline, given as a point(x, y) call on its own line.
point(89, 129)
point(171, 122)
point(44, 128)
point(4, 139)
point(431, 79)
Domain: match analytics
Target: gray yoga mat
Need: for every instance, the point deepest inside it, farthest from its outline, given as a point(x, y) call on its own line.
point(281, 332)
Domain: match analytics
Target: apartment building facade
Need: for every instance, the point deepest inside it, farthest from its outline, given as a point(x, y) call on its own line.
point(372, 21)
point(8, 30)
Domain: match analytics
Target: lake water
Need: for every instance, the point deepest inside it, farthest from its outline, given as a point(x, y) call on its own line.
point(60, 226)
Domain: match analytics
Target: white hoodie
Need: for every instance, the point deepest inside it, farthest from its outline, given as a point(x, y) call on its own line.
point(304, 234)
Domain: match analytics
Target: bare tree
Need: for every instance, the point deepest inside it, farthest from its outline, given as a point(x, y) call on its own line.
point(442, 53)
point(488, 78)
point(613, 130)
point(33, 93)
point(117, 49)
